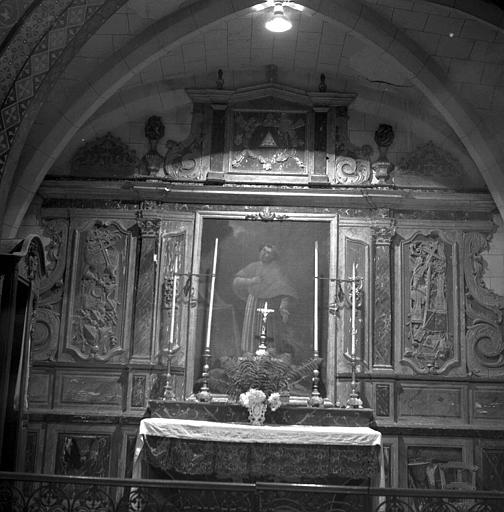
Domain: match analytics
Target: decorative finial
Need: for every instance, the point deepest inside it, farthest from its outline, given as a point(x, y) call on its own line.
point(322, 85)
point(220, 80)
point(384, 137)
point(154, 131)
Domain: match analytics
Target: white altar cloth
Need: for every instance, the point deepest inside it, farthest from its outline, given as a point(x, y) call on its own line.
point(243, 433)
point(196, 430)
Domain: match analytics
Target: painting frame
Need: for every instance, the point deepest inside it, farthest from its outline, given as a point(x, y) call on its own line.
point(240, 235)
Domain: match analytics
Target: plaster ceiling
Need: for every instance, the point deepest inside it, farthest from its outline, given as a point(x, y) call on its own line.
point(402, 58)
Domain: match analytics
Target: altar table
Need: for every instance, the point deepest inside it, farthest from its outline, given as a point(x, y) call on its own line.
point(212, 450)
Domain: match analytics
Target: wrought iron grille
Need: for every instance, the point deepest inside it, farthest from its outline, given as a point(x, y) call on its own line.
point(23, 492)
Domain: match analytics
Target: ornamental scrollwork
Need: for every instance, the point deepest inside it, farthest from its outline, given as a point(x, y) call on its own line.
point(104, 155)
point(349, 171)
point(266, 215)
point(47, 315)
point(182, 160)
point(484, 311)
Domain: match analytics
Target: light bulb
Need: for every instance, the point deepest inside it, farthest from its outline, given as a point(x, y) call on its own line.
point(278, 23)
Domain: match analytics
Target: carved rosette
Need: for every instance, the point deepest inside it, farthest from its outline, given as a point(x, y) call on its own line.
point(484, 311)
point(429, 340)
point(96, 331)
point(349, 171)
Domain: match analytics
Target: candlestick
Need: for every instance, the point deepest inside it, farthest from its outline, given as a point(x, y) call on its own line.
point(212, 291)
point(174, 298)
point(315, 303)
point(172, 348)
point(354, 331)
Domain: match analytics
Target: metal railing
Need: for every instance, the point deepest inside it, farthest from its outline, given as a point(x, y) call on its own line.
point(26, 492)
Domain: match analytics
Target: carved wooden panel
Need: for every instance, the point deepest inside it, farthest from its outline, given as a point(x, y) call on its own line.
point(129, 449)
point(354, 243)
point(422, 462)
point(47, 315)
point(430, 342)
point(484, 312)
point(390, 447)
point(145, 286)
point(177, 292)
point(490, 459)
point(88, 391)
point(383, 400)
point(30, 459)
point(487, 404)
point(422, 455)
point(98, 294)
point(382, 350)
point(80, 454)
point(432, 403)
point(269, 141)
point(138, 385)
point(40, 388)
point(33, 448)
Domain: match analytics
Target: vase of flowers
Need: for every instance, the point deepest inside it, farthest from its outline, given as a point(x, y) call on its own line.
point(256, 401)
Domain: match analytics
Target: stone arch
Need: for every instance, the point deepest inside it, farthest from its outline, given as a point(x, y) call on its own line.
point(160, 38)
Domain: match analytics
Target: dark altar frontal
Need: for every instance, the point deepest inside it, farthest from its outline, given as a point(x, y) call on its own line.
point(297, 444)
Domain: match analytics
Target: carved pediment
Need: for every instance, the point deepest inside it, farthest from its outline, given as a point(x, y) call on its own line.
point(271, 95)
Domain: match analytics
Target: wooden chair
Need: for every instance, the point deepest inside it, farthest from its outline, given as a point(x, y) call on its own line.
point(458, 475)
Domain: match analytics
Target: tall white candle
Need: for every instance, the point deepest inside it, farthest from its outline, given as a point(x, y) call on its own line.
point(315, 301)
point(354, 331)
point(174, 299)
point(212, 291)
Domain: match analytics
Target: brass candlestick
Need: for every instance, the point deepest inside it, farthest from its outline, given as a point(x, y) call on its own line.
point(315, 399)
point(204, 394)
point(353, 401)
point(169, 394)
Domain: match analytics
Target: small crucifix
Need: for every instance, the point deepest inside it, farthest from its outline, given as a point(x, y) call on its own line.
point(265, 311)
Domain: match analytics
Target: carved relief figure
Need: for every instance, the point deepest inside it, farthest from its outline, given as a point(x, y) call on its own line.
point(97, 315)
point(428, 325)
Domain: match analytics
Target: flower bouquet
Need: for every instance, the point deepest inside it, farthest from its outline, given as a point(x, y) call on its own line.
point(256, 401)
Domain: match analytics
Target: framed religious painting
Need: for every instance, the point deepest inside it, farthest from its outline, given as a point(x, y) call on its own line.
point(260, 272)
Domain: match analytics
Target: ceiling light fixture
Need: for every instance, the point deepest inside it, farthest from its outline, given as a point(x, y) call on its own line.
point(278, 23)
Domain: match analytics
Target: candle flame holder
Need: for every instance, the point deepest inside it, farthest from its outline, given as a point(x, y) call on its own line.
point(204, 394)
point(315, 399)
point(353, 401)
point(355, 283)
point(169, 394)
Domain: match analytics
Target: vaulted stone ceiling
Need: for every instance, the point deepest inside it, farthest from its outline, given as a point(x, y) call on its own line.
point(73, 70)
